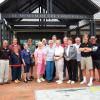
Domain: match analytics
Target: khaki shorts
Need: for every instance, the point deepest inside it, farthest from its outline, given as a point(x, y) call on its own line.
point(86, 62)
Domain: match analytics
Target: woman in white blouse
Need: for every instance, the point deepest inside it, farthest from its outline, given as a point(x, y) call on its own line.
point(59, 61)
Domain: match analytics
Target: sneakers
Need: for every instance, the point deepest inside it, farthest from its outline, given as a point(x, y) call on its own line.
point(90, 84)
point(83, 82)
point(69, 81)
point(39, 81)
point(59, 81)
point(17, 81)
point(72, 82)
point(42, 79)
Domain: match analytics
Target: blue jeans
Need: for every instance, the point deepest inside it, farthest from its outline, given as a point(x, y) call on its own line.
point(49, 70)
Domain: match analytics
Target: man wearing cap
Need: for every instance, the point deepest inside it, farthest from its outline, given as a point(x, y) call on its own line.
point(95, 55)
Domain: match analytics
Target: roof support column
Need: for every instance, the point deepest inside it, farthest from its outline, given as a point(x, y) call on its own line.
point(0, 32)
point(49, 6)
point(92, 27)
point(78, 30)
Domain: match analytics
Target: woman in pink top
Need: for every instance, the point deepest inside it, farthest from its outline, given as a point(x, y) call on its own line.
point(40, 62)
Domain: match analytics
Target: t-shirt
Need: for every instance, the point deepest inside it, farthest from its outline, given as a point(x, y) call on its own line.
point(96, 51)
point(31, 49)
point(50, 53)
point(84, 45)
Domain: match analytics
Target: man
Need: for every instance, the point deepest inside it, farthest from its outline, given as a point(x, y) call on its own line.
point(31, 49)
point(4, 63)
point(64, 45)
point(86, 60)
point(77, 45)
point(54, 38)
point(95, 55)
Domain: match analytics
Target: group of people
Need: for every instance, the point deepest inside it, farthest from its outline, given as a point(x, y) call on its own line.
point(51, 59)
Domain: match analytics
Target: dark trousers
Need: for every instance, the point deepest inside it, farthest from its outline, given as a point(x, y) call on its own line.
point(64, 70)
point(72, 67)
point(16, 73)
point(79, 70)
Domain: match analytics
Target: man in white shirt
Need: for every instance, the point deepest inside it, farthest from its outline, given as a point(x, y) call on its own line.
point(77, 45)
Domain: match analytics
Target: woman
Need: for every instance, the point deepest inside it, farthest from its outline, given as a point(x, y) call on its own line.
point(40, 62)
point(70, 55)
point(50, 61)
point(16, 61)
point(59, 61)
point(14, 45)
point(26, 58)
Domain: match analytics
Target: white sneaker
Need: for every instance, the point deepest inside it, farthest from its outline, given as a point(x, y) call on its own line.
point(90, 84)
point(72, 82)
point(38, 80)
point(42, 79)
point(57, 81)
point(69, 81)
point(60, 82)
point(83, 82)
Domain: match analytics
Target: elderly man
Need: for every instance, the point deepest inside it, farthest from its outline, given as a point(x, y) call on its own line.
point(4, 63)
point(64, 45)
point(31, 48)
point(95, 55)
point(77, 45)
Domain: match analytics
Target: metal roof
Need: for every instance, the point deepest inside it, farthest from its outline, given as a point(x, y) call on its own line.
point(59, 7)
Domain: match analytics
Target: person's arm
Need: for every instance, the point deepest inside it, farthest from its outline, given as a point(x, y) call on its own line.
point(35, 57)
point(87, 49)
point(81, 49)
point(22, 56)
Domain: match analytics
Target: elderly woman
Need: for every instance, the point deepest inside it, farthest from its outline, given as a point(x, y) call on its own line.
point(16, 61)
point(40, 62)
point(70, 55)
point(14, 45)
point(50, 61)
point(59, 61)
point(26, 58)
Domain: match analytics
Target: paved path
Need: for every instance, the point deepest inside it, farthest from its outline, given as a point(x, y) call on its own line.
point(26, 91)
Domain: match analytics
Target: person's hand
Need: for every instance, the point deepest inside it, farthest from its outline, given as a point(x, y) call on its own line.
point(36, 63)
point(56, 58)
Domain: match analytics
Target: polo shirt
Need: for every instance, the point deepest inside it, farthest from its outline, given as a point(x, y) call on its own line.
point(84, 45)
